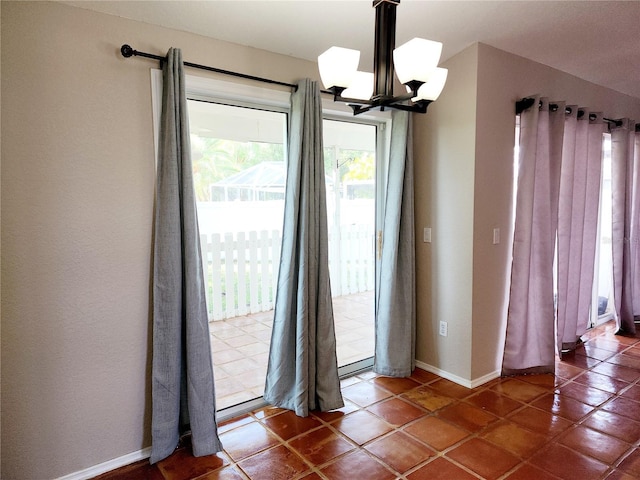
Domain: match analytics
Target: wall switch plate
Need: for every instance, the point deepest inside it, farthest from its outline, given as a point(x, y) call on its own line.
point(443, 329)
point(426, 235)
point(496, 236)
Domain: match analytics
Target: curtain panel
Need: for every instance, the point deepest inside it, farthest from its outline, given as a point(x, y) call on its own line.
point(625, 164)
point(396, 302)
point(302, 373)
point(579, 201)
point(530, 343)
point(183, 393)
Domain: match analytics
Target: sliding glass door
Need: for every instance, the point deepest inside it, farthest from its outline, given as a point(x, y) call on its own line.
point(239, 162)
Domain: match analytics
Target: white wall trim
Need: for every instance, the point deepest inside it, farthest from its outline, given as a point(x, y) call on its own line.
point(156, 106)
point(221, 90)
point(459, 380)
point(109, 465)
point(485, 379)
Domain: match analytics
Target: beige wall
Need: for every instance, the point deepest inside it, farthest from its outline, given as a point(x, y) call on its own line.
point(444, 146)
point(77, 201)
point(462, 277)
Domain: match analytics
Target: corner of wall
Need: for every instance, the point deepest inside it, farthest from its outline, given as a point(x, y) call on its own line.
point(444, 150)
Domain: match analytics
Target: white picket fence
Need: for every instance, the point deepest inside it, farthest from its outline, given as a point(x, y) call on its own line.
point(241, 269)
point(351, 250)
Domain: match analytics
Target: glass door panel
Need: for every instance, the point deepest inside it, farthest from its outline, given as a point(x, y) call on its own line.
point(602, 308)
point(239, 172)
point(350, 168)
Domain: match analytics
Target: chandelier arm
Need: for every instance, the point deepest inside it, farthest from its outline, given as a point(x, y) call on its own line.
point(378, 102)
point(358, 109)
point(353, 101)
point(418, 107)
point(402, 98)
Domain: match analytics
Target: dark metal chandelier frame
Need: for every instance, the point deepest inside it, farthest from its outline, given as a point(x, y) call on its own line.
point(383, 70)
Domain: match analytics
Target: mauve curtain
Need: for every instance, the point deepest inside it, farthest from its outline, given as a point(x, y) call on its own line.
point(302, 374)
point(183, 394)
point(625, 164)
point(530, 343)
point(579, 200)
point(396, 311)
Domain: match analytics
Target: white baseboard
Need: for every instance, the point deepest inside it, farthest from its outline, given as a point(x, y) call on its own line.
point(109, 465)
point(456, 379)
point(485, 379)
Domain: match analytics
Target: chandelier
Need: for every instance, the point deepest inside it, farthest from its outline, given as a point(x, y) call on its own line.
point(415, 64)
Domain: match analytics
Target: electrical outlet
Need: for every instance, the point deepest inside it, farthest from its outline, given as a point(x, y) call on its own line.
point(443, 329)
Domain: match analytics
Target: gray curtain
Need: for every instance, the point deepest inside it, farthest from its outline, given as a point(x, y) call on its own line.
point(396, 300)
point(579, 200)
point(302, 374)
point(625, 164)
point(530, 343)
point(183, 396)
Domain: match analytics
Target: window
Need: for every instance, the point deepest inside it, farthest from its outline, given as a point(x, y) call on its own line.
point(602, 308)
point(238, 143)
point(239, 163)
point(350, 168)
point(239, 170)
point(238, 140)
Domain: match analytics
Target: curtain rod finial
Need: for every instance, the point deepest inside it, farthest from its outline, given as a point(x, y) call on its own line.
point(522, 105)
point(127, 51)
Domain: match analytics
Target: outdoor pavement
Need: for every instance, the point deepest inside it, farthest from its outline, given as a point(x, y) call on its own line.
point(240, 346)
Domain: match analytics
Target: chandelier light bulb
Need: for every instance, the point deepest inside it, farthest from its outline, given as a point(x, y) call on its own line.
point(338, 66)
point(361, 88)
point(416, 59)
point(432, 88)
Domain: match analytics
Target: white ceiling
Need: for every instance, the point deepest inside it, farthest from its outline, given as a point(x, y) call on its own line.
point(598, 41)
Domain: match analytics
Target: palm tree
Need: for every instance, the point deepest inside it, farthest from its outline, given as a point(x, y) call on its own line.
point(212, 160)
point(215, 159)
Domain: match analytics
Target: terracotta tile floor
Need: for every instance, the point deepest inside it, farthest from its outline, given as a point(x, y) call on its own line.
point(584, 423)
point(240, 346)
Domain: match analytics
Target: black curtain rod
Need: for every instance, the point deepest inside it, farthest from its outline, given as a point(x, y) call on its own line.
point(522, 105)
point(127, 51)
